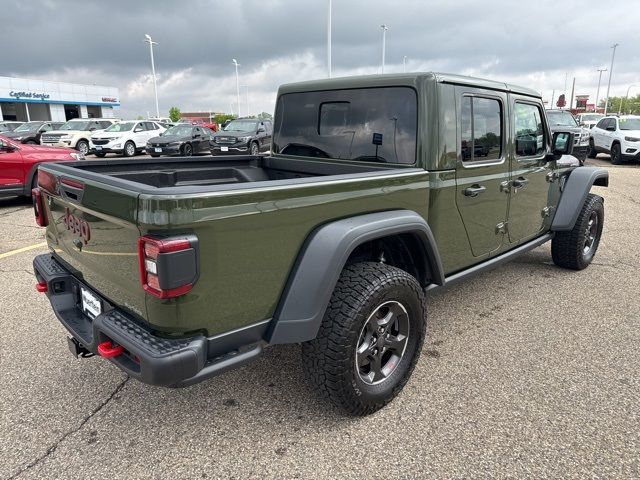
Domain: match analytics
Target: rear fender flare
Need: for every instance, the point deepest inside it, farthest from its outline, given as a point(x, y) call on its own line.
point(321, 260)
point(574, 194)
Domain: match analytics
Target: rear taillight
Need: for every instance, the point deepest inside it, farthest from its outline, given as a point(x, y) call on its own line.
point(168, 266)
point(38, 207)
point(47, 181)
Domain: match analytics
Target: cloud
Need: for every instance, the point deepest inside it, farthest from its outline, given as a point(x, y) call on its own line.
point(280, 41)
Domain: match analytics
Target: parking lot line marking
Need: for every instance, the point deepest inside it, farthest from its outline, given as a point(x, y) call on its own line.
point(23, 249)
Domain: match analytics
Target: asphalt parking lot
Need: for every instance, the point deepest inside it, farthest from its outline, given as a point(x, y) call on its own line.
point(527, 371)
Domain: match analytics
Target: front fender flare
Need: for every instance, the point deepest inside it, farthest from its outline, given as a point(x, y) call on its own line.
point(321, 260)
point(574, 194)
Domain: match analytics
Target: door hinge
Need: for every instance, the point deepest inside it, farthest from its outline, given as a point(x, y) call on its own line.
point(502, 227)
point(505, 186)
point(546, 211)
point(552, 177)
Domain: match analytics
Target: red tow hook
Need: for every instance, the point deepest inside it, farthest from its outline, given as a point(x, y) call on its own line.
point(109, 350)
point(41, 287)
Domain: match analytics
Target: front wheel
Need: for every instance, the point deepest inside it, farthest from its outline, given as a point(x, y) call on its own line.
point(83, 147)
point(616, 155)
point(129, 149)
point(369, 340)
point(187, 150)
point(255, 150)
point(576, 248)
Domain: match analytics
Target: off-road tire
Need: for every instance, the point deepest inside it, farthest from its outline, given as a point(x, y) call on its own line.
point(616, 154)
point(592, 150)
point(568, 249)
point(255, 149)
point(330, 359)
point(82, 146)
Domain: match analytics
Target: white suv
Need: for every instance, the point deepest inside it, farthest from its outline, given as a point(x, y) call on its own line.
point(75, 133)
point(617, 136)
point(125, 138)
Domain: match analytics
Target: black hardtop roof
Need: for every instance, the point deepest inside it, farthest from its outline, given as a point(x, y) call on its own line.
point(402, 79)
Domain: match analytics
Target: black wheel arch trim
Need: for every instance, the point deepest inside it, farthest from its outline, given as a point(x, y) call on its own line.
point(321, 260)
point(574, 194)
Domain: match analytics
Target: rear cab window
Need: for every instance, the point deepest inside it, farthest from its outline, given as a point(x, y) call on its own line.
point(368, 124)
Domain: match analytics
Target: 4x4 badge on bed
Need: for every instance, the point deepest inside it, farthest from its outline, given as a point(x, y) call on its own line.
point(77, 225)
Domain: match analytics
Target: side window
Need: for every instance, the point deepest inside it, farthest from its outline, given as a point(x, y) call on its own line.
point(613, 123)
point(481, 129)
point(529, 130)
point(602, 123)
point(268, 126)
point(104, 124)
point(334, 118)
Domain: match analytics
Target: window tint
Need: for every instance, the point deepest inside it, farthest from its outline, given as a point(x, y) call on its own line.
point(104, 124)
point(529, 130)
point(602, 123)
point(367, 124)
point(481, 129)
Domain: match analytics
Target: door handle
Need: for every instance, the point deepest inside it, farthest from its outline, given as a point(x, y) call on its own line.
point(520, 182)
point(474, 190)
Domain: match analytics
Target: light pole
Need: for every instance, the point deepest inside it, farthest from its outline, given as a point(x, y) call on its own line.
point(147, 38)
point(235, 62)
point(404, 64)
point(598, 90)
point(247, 87)
point(384, 42)
point(613, 56)
point(626, 98)
point(329, 40)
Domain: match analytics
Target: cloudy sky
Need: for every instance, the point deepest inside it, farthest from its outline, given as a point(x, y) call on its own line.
point(534, 43)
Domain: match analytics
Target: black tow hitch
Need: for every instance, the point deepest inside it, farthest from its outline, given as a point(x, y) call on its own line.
point(77, 349)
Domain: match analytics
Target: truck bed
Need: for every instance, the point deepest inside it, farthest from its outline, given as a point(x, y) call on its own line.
point(202, 173)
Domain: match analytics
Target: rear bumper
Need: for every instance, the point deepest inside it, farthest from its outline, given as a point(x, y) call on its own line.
point(147, 356)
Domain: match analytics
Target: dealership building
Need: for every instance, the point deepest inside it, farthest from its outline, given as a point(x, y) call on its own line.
point(25, 100)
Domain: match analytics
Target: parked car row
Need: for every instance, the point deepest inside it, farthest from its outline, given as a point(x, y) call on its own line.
point(562, 120)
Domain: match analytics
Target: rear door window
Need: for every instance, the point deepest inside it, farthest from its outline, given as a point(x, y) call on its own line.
point(368, 124)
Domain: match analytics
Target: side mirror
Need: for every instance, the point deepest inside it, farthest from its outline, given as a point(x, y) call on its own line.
point(261, 130)
point(562, 144)
point(7, 148)
point(612, 128)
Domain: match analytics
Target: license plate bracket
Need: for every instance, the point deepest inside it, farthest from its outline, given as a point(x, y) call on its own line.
point(90, 303)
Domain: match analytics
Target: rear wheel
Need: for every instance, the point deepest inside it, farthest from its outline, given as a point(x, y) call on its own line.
point(616, 155)
point(129, 149)
point(576, 248)
point(83, 147)
point(369, 340)
point(592, 150)
point(187, 150)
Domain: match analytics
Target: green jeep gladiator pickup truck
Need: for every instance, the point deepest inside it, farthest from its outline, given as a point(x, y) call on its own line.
point(377, 190)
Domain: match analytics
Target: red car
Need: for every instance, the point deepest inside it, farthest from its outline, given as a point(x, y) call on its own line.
point(19, 163)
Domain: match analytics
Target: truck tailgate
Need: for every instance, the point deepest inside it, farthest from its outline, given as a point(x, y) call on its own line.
point(92, 227)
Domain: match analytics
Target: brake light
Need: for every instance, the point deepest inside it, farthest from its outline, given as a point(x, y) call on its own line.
point(38, 207)
point(47, 181)
point(168, 266)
